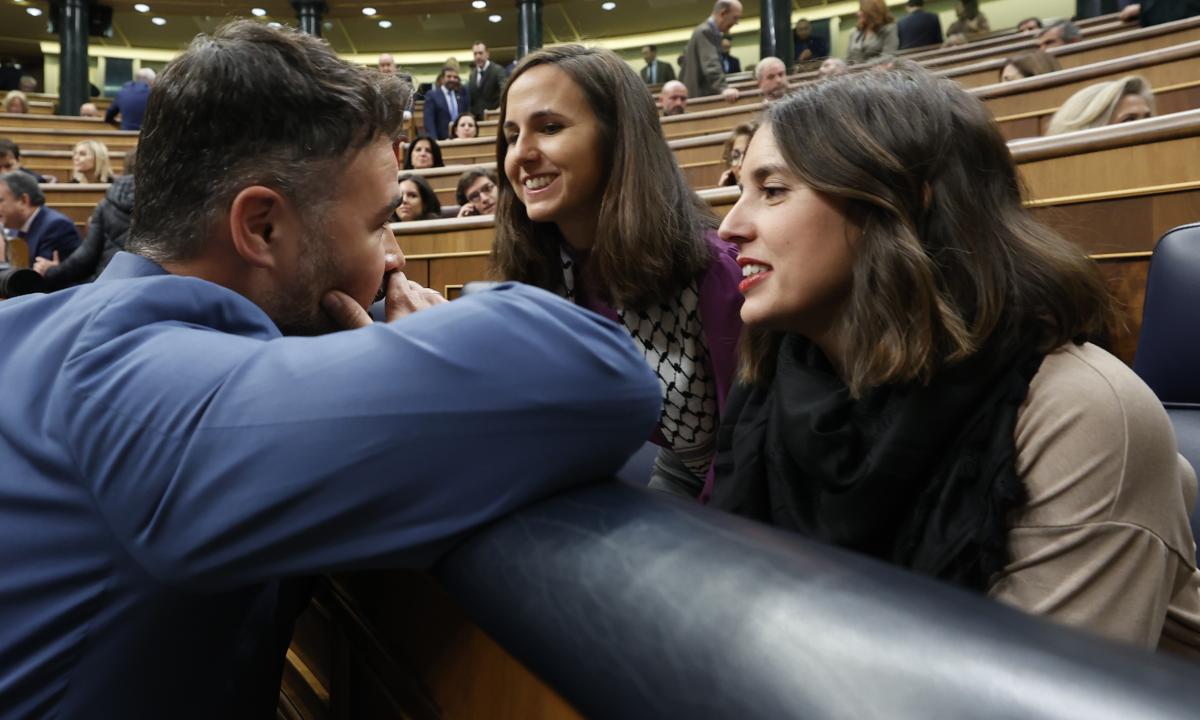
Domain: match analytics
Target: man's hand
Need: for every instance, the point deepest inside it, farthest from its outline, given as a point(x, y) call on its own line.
point(730, 94)
point(1130, 12)
point(467, 210)
point(41, 265)
point(404, 297)
point(805, 54)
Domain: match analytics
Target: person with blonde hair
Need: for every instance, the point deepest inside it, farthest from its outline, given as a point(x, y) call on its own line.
point(875, 34)
point(90, 163)
point(1107, 103)
point(16, 102)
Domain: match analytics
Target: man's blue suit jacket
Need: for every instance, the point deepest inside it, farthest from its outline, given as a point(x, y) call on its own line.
point(437, 111)
point(168, 457)
point(50, 231)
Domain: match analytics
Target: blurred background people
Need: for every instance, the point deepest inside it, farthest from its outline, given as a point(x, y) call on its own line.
point(423, 153)
point(418, 200)
point(874, 35)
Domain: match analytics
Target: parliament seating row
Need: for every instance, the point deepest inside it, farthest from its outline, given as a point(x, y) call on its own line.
point(34, 133)
point(1111, 190)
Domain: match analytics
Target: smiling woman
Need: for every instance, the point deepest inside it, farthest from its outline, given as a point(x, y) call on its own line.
point(917, 385)
point(593, 206)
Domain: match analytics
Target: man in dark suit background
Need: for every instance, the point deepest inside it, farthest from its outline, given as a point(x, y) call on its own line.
point(49, 233)
point(807, 45)
point(130, 102)
point(701, 68)
point(656, 71)
point(919, 28)
point(444, 103)
point(729, 63)
point(486, 82)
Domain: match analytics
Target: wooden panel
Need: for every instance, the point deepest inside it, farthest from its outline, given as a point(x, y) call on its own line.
point(447, 271)
point(467, 674)
point(37, 139)
point(1123, 224)
point(53, 122)
point(1050, 99)
point(63, 193)
point(58, 162)
point(417, 270)
point(1126, 280)
point(1113, 170)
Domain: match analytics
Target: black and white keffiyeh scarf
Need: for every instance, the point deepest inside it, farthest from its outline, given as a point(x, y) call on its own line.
point(671, 337)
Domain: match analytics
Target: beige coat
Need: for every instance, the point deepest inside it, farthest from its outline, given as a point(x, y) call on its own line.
point(1103, 542)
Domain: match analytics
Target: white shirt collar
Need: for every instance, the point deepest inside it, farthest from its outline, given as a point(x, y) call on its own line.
point(29, 222)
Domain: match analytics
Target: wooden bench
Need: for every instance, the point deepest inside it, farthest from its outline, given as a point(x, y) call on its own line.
point(1086, 52)
point(1023, 107)
point(52, 139)
point(58, 162)
point(1113, 191)
point(52, 122)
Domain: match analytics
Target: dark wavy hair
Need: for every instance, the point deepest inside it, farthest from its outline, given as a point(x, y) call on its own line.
point(650, 232)
point(208, 134)
point(467, 178)
point(429, 198)
point(948, 259)
point(433, 145)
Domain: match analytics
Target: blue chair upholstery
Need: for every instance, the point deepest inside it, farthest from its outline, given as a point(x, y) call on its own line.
point(1168, 353)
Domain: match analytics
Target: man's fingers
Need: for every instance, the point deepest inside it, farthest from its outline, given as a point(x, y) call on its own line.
point(342, 309)
point(55, 255)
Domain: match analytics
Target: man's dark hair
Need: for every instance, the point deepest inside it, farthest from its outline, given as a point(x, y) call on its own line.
point(8, 147)
point(251, 105)
point(915, 3)
point(429, 199)
point(652, 48)
point(21, 183)
point(468, 178)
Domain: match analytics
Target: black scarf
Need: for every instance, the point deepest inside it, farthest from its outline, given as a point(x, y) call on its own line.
point(923, 476)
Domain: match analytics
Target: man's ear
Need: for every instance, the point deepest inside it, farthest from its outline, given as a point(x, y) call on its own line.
point(256, 218)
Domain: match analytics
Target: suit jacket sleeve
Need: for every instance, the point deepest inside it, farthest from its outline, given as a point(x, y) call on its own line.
point(891, 39)
point(430, 112)
point(710, 63)
point(110, 115)
point(82, 263)
point(59, 234)
point(666, 70)
point(223, 460)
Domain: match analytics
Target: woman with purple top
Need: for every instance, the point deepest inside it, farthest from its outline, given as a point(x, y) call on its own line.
point(598, 210)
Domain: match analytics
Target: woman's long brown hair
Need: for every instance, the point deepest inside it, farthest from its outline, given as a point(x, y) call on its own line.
point(650, 233)
point(948, 259)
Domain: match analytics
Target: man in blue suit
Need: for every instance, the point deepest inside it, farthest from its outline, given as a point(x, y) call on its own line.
point(48, 233)
point(183, 437)
point(130, 102)
point(444, 103)
point(919, 28)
